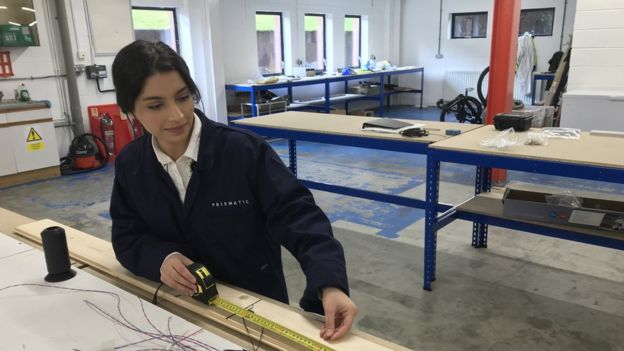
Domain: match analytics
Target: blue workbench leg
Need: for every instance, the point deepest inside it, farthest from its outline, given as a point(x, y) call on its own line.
point(422, 85)
point(292, 156)
point(388, 98)
point(381, 95)
point(483, 183)
point(431, 213)
point(327, 97)
point(253, 102)
point(346, 102)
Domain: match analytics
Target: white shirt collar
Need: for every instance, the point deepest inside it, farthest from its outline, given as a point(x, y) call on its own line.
point(192, 149)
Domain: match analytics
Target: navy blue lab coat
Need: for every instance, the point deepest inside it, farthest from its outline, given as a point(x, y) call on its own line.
point(242, 203)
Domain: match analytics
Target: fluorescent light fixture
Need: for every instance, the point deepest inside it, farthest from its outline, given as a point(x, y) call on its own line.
point(28, 9)
point(3, 7)
point(15, 24)
point(32, 23)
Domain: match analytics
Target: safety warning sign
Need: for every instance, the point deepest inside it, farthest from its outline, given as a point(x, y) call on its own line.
point(34, 140)
point(33, 136)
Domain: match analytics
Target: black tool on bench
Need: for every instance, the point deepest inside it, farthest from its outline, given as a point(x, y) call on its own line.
point(519, 122)
point(414, 132)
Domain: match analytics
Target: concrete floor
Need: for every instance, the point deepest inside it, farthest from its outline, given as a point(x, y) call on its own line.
point(524, 292)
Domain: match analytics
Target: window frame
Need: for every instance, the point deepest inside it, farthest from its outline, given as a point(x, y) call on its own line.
point(552, 25)
point(324, 36)
point(281, 17)
point(453, 15)
point(359, 17)
point(175, 20)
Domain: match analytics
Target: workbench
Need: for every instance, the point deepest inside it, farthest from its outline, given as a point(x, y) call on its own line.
point(591, 157)
point(383, 77)
point(346, 131)
point(95, 260)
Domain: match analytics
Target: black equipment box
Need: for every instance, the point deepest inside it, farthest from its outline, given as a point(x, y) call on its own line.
point(519, 122)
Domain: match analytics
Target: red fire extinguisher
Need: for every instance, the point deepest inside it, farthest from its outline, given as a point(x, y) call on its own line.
point(107, 129)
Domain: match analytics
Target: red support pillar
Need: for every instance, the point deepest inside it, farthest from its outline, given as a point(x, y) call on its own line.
point(505, 28)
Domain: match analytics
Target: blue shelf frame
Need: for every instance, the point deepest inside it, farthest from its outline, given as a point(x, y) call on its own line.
point(546, 76)
point(347, 140)
point(484, 163)
point(253, 89)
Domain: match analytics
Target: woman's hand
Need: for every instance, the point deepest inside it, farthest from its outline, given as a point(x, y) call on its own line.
point(174, 274)
point(340, 312)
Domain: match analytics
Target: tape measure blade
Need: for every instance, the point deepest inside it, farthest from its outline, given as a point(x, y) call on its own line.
point(281, 330)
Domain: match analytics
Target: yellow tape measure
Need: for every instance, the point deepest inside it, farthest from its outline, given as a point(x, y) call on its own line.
point(207, 293)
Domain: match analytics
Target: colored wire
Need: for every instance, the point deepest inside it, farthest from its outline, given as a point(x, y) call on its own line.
point(155, 298)
point(182, 342)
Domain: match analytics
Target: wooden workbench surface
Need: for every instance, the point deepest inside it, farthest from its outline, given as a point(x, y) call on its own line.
point(99, 256)
point(591, 150)
point(333, 124)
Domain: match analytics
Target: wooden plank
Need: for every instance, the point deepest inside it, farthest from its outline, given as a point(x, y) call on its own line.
point(99, 255)
point(588, 150)
point(9, 220)
point(30, 176)
point(34, 121)
point(24, 107)
point(344, 125)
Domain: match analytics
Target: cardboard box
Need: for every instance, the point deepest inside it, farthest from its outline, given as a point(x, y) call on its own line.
point(593, 212)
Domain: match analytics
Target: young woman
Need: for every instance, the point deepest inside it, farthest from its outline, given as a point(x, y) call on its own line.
point(193, 190)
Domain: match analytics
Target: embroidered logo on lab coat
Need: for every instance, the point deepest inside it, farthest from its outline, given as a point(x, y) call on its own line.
point(230, 203)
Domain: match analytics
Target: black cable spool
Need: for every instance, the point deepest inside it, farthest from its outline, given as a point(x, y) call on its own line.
point(56, 255)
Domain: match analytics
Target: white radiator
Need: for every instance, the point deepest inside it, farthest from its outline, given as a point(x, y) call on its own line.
point(456, 82)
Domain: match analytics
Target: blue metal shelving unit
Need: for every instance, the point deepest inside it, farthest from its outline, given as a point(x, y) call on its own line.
point(409, 146)
point(484, 163)
point(314, 127)
point(383, 76)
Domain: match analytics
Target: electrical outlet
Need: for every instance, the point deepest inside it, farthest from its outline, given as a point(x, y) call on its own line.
point(81, 55)
point(96, 71)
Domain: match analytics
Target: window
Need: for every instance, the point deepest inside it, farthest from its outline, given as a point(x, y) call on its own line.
point(156, 24)
point(353, 40)
point(469, 25)
point(538, 22)
point(270, 43)
point(315, 41)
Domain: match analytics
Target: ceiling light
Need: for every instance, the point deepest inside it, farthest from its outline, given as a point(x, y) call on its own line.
point(32, 23)
point(28, 9)
point(15, 24)
point(3, 7)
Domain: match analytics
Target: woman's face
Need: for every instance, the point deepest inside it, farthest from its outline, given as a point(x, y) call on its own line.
point(165, 108)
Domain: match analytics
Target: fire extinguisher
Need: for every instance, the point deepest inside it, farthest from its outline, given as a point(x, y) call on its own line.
point(108, 132)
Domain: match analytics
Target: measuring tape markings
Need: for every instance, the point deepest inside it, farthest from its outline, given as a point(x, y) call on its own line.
point(207, 293)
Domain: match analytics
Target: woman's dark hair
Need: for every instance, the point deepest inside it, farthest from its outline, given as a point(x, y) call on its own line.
point(138, 61)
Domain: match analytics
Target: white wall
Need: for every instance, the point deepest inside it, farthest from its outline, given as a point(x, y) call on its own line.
point(595, 95)
point(597, 61)
point(239, 34)
point(419, 41)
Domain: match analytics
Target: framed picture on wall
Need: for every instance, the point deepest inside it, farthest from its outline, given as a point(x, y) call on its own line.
point(469, 25)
